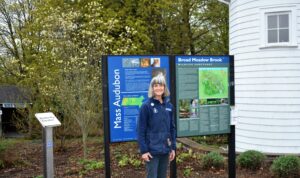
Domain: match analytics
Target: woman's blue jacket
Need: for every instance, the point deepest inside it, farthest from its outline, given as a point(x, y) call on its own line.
point(156, 127)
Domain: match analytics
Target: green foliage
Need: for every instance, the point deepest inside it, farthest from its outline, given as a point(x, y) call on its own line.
point(54, 49)
point(40, 176)
point(184, 156)
point(179, 146)
point(187, 171)
point(135, 162)
point(212, 160)
point(4, 144)
point(251, 159)
point(6, 155)
point(125, 160)
point(286, 166)
point(90, 165)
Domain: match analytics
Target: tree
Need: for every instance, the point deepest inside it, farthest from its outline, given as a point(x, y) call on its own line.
point(73, 36)
point(185, 26)
point(54, 47)
point(14, 15)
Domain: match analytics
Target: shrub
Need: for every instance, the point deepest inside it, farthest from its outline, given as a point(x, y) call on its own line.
point(125, 160)
point(213, 160)
point(187, 171)
point(184, 156)
point(90, 165)
point(251, 159)
point(286, 166)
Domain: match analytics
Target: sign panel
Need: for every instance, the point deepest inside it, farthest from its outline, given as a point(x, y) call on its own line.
point(203, 95)
point(8, 105)
point(128, 83)
point(47, 119)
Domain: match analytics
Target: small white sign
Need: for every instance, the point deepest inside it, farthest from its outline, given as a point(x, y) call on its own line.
point(234, 116)
point(47, 119)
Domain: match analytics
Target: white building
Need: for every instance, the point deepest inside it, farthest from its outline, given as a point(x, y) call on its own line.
point(265, 40)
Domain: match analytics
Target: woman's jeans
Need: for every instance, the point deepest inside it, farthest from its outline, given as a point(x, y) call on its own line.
point(157, 166)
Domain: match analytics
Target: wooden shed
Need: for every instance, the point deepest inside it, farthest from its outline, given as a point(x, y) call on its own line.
point(12, 98)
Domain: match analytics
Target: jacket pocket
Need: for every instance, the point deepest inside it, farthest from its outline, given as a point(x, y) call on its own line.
point(158, 142)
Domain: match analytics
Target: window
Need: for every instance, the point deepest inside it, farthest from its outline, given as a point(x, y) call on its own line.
point(278, 26)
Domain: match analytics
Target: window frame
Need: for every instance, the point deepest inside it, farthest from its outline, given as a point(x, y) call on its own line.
point(278, 10)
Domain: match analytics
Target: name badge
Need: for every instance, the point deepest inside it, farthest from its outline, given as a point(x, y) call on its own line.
point(168, 109)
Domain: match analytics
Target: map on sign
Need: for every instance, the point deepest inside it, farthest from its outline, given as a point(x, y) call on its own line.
point(133, 101)
point(213, 83)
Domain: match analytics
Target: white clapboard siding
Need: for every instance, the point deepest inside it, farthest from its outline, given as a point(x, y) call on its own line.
point(267, 81)
point(268, 74)
point(267, 138)
point(242, 146)
point(254, 116)
point(249, 36)
point(269, 94)
point(262, 87)
point(269, 101)
point(255, 58)
point(268, 67)
point(270, 108)
point(253, 35)
point(263, 122)
point(268, 141)
point(261, 128)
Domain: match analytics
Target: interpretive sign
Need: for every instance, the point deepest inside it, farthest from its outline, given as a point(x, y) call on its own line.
point(128, 84)
point(47, 119)
point(202, 95)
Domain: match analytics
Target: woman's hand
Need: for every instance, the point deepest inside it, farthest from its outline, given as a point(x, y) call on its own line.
point(172, 155)
point(146, 157)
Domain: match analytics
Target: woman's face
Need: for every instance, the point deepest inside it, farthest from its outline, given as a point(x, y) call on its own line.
point(158, 89)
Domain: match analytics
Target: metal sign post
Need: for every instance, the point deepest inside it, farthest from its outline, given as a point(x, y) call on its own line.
point(231, 153)
point(48, 121)
point(0, 123)
point(234, 115)
point(173, 166)
point(106, 117)
point(48, 152)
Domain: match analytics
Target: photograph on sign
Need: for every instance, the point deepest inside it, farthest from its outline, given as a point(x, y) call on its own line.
point(202, 94)
point(128, 84)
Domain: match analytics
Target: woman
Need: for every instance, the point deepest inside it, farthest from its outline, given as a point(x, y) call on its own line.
point(156, 129)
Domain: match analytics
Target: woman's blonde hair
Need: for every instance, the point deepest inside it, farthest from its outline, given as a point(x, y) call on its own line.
point(159, 79)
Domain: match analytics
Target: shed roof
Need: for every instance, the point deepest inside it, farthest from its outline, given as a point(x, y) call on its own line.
point(10, 94)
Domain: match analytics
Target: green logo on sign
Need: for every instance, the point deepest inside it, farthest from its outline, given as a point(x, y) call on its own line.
point(133, 101)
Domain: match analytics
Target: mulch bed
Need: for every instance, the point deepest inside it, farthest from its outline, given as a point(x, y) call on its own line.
point(28, 162)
